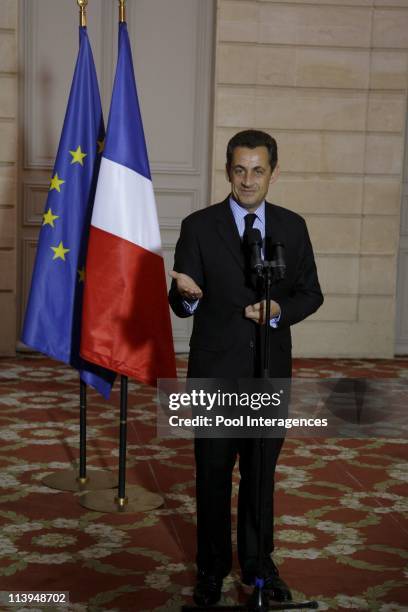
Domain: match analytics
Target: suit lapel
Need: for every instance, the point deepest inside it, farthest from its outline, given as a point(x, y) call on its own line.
point(274, 230)
point(228, 232)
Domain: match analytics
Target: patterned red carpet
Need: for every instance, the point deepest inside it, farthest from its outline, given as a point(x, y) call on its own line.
point(342, 535)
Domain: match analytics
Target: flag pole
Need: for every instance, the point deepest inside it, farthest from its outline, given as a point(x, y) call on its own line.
point(122, 11)
point(121, 500)
point(69, 480)
point(82, 478)
point(82, 12)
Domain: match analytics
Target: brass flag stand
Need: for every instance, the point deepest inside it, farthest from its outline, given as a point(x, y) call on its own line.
point(137, 499)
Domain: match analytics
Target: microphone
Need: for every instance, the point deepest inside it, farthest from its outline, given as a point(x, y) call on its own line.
point(275, 252)
point(279, 259)
point(253, 240)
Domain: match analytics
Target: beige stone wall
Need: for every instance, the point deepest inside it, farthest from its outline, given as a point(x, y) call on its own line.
point(329, 80)
point(8, 170)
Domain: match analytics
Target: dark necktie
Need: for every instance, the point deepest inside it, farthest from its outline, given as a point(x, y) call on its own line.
point(249, 221)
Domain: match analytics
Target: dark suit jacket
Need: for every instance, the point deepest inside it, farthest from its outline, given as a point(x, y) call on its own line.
point(223, 342)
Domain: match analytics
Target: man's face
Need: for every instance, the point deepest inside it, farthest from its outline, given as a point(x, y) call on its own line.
point(250, 176)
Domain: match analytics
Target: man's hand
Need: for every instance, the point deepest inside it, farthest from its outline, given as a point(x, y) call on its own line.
point(186, 287)
point(256, 312)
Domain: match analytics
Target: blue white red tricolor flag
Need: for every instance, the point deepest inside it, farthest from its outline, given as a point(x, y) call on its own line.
point(126, 320)
point(52, 322)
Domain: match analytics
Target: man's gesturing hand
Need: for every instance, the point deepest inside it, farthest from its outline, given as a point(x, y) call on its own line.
point(256, 312)
point(186, 287)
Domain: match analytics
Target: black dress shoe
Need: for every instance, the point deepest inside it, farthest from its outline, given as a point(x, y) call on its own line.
point(207, 591)
point(274, 586)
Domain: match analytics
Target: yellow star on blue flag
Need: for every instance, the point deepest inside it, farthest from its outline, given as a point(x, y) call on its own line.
point(49, 218)
point(59, 251)
point(56, 183)
point(78, 156)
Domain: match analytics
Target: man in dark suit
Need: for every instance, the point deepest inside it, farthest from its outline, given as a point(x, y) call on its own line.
point(211, 281)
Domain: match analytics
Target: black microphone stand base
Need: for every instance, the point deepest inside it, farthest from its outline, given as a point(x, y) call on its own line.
point(258, 602)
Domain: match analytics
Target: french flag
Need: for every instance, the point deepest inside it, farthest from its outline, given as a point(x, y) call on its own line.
point(125, 318)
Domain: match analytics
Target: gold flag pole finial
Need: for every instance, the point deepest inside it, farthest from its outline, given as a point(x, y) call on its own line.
point(122, 11)
point(82, 12)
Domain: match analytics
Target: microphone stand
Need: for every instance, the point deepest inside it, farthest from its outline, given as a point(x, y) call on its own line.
point(272, 271)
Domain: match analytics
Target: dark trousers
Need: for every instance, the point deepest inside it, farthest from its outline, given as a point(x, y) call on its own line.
point(215, 460)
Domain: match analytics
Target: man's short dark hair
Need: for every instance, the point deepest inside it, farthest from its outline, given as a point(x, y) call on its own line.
point(252, 139)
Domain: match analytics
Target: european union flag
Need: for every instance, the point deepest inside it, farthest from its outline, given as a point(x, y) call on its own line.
point(53, 316)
